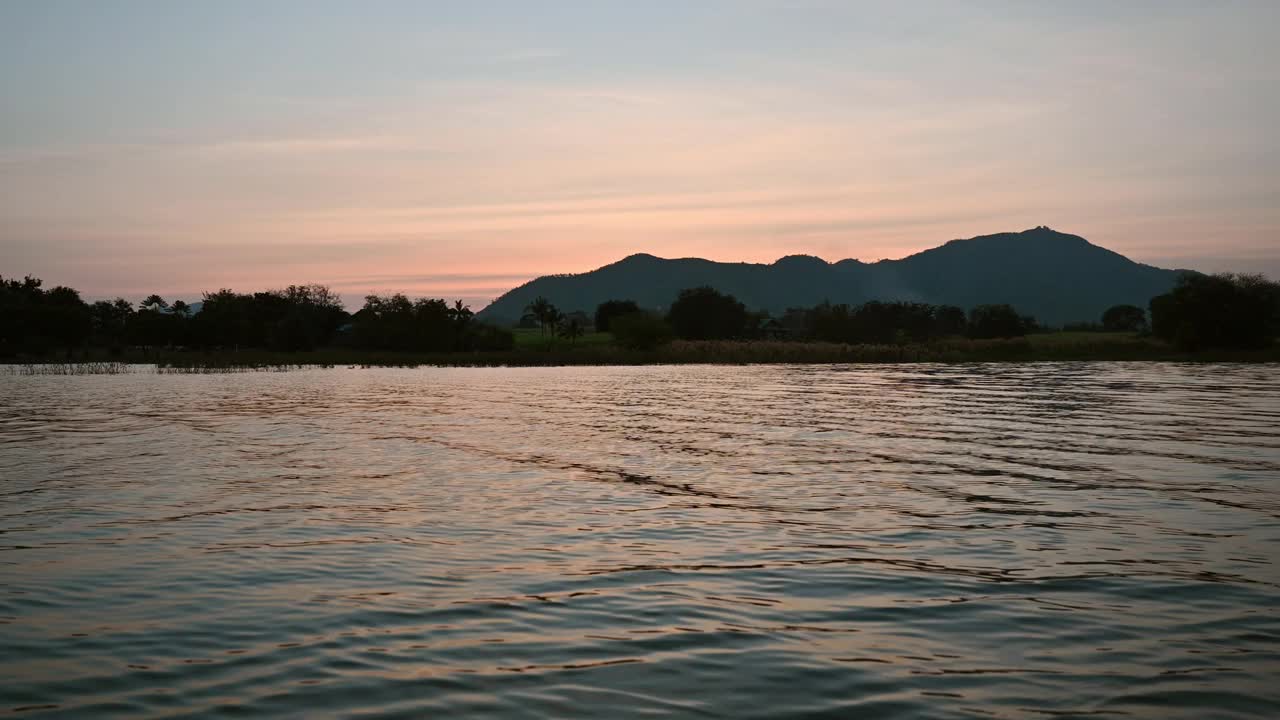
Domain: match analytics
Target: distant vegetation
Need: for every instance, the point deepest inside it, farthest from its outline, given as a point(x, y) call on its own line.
point(35, 322)
point(1230, 316)
point(610, 309)
point(642, 331)
point(704, 314)
point(398, 323)
point(1218, 311)
point(1124, 318)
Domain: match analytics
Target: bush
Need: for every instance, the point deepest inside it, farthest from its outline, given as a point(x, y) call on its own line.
point(1124, 318)
point(640, 331)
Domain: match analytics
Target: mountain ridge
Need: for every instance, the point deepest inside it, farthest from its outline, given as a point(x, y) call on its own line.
point(1057, 277)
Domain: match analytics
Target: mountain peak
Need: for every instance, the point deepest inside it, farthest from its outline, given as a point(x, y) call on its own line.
point(1039, 235)
point(638, 258)
point(798, 261)
point(1044, 232)
point(633, 261)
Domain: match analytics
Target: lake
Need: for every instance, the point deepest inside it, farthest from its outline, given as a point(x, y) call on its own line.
point(1009, 541)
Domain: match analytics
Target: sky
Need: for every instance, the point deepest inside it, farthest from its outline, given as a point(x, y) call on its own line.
point(455, 150)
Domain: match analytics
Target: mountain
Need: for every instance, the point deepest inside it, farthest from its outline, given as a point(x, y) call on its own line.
point(1054, 276)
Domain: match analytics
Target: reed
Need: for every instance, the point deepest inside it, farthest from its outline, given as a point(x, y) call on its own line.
point(1060, 346)
point(70, 368)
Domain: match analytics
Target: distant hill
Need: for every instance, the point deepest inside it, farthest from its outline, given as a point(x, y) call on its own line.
point(1054, 276)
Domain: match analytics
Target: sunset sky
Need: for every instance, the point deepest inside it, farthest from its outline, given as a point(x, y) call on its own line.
point(457, 149)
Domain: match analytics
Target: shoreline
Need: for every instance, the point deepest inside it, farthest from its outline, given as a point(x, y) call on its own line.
point(1049, 347)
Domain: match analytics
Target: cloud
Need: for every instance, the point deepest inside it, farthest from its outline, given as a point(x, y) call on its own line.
point(431, 279)
point(299, 146)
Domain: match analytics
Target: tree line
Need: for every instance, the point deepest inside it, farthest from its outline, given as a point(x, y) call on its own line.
point(1218, 311)
point(1201, 312)
point(704, 313)
point(37, 321)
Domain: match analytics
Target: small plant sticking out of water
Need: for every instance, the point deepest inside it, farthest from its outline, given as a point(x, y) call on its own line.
point(88, 368)
point(225, 369)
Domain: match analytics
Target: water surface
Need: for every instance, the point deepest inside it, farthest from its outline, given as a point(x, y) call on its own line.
point(1056, 540)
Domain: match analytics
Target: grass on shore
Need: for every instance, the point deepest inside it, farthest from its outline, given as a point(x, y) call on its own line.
point(598, 349)
point(533, 339)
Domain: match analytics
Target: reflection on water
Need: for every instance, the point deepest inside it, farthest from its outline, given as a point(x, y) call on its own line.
point(917, 541)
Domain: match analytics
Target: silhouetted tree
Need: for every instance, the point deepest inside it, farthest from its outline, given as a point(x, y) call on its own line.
point(20, 302)
point(34, 320)
point(703, 313)
point(1124, 318)
point(299, 317)
point(66, 318)
point(830, 323)
point(1218, 311)
point(179, 323)
point(304, 317)
point(571, 329)
point(949, 320)
point(109, 321)
point(224, 320)
point(397, 323)
point(390, 323)
point(997, 321)
point(460, 315)
point(882, 322)
point(611, 309)
point(544, 312)
point(149, 327)
point(888, 322)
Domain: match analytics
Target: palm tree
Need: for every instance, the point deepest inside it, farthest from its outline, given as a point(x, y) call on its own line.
point(153, 302)
point(572, 329)
point(180, 308)
point(460, 313)
point(461, 316)
point(544, 312)
point(123, 309)
point(552, 317)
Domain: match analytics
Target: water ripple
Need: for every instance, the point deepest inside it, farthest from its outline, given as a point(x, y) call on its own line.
point(1058, 539)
